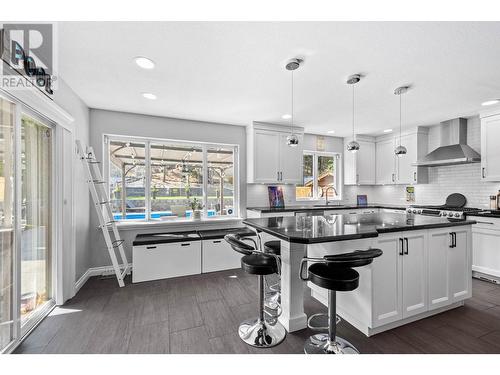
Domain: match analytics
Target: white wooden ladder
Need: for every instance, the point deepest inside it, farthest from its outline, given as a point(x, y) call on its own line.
point(98, 191)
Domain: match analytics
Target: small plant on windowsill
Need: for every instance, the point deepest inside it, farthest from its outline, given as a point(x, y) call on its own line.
point(196, 205)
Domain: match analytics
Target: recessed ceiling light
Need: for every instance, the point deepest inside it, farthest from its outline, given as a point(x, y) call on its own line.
point(331, 131)
point(144, 62)
point(149, 96)
point(491, 102)
point(387, 130)
point(286, 117)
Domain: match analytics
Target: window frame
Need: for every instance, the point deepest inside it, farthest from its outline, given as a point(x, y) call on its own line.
point(147, 161)
point(337, 174)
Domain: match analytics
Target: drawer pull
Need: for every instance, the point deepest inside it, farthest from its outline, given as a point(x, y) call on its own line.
point(218, 241)
point(150, 247)
point(484, 222)
point(185, 244)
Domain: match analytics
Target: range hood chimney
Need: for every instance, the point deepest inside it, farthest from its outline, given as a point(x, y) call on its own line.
point(454, 148)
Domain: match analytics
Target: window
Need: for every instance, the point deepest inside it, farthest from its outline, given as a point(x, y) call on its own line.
point(164, 179)
point(320, 176)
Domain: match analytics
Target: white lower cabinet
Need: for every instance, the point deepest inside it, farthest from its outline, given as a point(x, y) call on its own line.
point(218, 255)
point(485, 247)
point(399, 277)
point(450, 266)
point(164, 260)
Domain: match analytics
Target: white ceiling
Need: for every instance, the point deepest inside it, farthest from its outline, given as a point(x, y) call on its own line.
point(234, 72)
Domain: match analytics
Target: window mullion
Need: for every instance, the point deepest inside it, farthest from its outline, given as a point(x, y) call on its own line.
point(205, 180)
point(315, 176)
point(147, 184)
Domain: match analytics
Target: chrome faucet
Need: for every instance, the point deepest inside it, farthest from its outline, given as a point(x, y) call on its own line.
point(326, 194)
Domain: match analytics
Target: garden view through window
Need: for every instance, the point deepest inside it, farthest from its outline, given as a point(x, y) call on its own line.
point(320, 172)
point(163, 180)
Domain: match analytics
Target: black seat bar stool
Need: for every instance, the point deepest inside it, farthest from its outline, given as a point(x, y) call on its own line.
point(335, 273)
point(273, 296)
point(257, 332)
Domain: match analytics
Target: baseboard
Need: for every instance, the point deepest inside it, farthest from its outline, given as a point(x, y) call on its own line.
point(95, 271)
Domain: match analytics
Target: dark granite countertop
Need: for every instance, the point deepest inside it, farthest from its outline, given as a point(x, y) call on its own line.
point(487, 213)
point(328, 228)
point(319, 207)
point(213, 234)
point(208, 234)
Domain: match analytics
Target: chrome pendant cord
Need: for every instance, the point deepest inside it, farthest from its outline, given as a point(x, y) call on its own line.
point(400, 120)
point(353, 135)
point(291, 123)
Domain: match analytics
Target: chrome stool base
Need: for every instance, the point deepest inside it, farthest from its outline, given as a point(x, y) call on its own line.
point(319, 344)
point(261, 334)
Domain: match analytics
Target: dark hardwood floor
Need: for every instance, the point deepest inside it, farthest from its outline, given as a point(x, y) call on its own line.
point(200, 314)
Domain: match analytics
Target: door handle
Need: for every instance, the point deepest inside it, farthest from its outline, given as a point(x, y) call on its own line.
point(483, 172)
point(406, 243)
point(401, 245)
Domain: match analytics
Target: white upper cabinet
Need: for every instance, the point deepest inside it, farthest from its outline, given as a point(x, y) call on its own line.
point(490, 151)
point(400, 170)
point(269, 158)
point(386, 162)
point(359, 167)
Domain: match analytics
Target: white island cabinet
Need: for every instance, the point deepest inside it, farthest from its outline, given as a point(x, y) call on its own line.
point(486, 248)
point(269, 158)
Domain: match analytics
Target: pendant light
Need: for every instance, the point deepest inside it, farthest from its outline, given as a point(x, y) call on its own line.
point(400, 150)
point(353, 146)
point(292, 140)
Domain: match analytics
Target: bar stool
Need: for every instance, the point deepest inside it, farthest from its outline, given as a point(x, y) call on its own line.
point(335, 273)
point(257, 332)
point(273, 296)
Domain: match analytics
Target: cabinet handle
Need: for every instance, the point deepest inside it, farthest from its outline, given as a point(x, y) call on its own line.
point(393, 177)
point(401, 245)
point(281, 176)
point(277, 176)
point(451, 240)
point(357, 178)
point(414, 176)
point(150, 247)
point(454, 239)
point(218, 241)
point(484, 222)
point(185, 244)
point(406, 243)
point(483, 172)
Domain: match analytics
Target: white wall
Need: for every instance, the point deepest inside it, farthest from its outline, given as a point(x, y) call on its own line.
point(120, 123)
point(465, 178)
point(69, 101)
point(257, 193)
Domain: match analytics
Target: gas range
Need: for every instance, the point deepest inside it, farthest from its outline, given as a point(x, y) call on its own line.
point(451, 212)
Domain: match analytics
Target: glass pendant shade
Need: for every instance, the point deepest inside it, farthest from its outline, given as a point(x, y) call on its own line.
point(400, 151)
point(353, 146)
point(292, 140)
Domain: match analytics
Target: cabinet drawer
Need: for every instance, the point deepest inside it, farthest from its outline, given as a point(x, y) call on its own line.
point(218, 255)
point(160, 261)
point(491, 223)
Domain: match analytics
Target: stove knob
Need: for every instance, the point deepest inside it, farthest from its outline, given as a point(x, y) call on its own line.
point(450, 214)
point(419, 211)
point(457, 215)
point(414, 211)
point(408, 210)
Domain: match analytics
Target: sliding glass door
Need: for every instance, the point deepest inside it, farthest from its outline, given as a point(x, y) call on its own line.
point(36, 218)
point(7, 249)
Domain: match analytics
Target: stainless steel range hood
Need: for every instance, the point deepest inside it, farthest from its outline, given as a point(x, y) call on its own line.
point(454, 148)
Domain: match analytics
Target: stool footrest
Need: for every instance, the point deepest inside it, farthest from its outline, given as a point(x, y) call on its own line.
point(319, 322)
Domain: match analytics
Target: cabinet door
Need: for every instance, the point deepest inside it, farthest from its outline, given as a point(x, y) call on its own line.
point(387, 280)
point(218, 255)
point(490, 152)
point(365, 163)
point(385, 161)
point(460, 268)
point(266, 156)
point(439, 288)
point(406, 172)
point(486, 257)
point(414, 275)
point(350, 172)
point(290, 161)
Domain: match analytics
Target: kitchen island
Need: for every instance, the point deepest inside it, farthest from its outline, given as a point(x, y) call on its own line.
point(425, 267)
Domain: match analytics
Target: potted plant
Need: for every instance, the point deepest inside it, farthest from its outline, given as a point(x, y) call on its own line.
point(196, 206)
